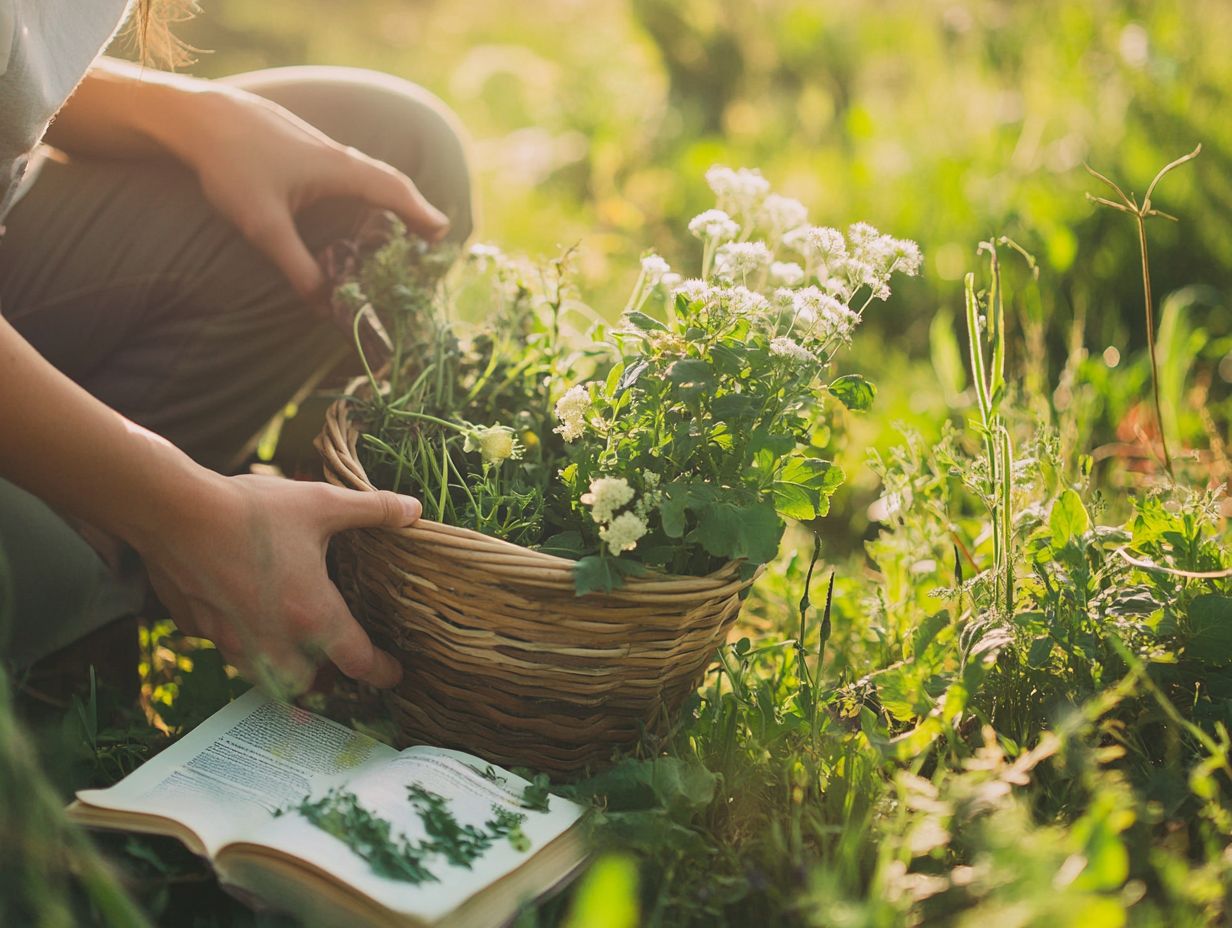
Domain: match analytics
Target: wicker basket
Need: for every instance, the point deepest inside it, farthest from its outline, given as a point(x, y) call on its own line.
point(501, 657)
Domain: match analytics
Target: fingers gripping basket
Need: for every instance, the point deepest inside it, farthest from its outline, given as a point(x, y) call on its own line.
point(501, 658)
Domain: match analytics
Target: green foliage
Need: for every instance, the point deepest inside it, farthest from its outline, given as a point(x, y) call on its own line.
point(689, 438)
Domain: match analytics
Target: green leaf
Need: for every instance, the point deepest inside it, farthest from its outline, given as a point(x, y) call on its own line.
point(731, 530)
point(640, 320)
point(597, 573)
point(732, 406)
point(805, 486)
point(1068, 520)
point(1210, 629)
point(679, 787)
point(691, 372)
point(854, 392)
point(613, 380)
point(631, 375)
point(730, 360)
point(793, 501)
point(564, 544)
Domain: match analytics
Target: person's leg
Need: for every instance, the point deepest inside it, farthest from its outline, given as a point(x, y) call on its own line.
point(121, 274)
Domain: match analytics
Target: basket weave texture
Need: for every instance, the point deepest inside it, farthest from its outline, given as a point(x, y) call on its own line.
point(501, 657)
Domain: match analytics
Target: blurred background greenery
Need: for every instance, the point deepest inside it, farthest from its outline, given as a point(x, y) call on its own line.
point(593, 121)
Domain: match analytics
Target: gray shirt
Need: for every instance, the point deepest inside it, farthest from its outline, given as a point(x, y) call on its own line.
point(46, 47)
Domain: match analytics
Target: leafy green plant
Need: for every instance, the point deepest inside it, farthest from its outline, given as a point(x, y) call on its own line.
point(693, 437)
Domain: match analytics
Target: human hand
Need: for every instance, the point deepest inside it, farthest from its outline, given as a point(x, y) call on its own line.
point(244, 566)
point(259, 165)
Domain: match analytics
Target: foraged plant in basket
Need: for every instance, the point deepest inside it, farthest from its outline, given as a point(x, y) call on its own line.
point(597, 499)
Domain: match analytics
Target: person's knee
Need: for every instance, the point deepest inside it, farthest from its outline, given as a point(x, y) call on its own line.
point(386, 117)
point(441, 169)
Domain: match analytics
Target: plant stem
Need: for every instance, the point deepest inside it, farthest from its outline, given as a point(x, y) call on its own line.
point(1150, 339)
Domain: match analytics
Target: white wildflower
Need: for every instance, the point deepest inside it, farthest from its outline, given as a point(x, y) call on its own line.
point(781, 214)
point(739, 259)
point(670, 281)
point(784, 347)
point(821, 316)
point(741, 301)
point(714, 225)
point(494, 444)
point(607, 494)
point(571, 411)
point(484, 254)
point(623, 532)
point(741, 191)
point(786, 273)
point(820, 245)
point(696, 291)
point(654, 268)
point(907, 257)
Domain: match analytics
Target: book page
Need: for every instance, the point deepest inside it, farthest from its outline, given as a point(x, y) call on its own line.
point(472, 799)
point(226, 778)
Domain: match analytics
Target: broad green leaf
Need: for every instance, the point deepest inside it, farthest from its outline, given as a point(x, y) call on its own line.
point(1210, 629)
point(691, 371)
point(815, 473)
point(729, 360)
point(731, 406)
point(678, 498)
point(640, 320)
point(730, 530)
point(1069, 519)
point(795, 501)
point(597, 573)
point(564, 544)
point(854, 392)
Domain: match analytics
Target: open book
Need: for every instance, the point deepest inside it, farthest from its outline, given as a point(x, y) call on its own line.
point(282, 802)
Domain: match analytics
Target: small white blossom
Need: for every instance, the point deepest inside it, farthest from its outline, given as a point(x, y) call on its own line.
point(907, 257)
point(654, 268)
point(484, 254)
point(784, 347)
point(696, 291)
point(670, 281)
point(741, 301)
point(739, 259)
point(819, 315)
point(820, 245)
point(607, 494)
point(571, 411)
point(714, 225)
point(623, 532)
point(786, 273)
point(740, 191)
point(781, 214)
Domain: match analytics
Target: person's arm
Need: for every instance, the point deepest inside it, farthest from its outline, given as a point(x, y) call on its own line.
point(258, 164)
point(239, 560)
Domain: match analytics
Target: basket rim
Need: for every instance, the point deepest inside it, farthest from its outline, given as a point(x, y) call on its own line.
point(337, 444)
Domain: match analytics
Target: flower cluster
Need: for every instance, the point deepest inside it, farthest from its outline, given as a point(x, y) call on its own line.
point(571, 411)
point(619, 532)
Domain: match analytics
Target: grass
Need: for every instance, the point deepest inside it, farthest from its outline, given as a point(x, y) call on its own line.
point(1015, 707)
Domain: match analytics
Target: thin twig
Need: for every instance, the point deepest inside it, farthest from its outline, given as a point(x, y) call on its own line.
point(1173, 571)
point(1141, 213)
